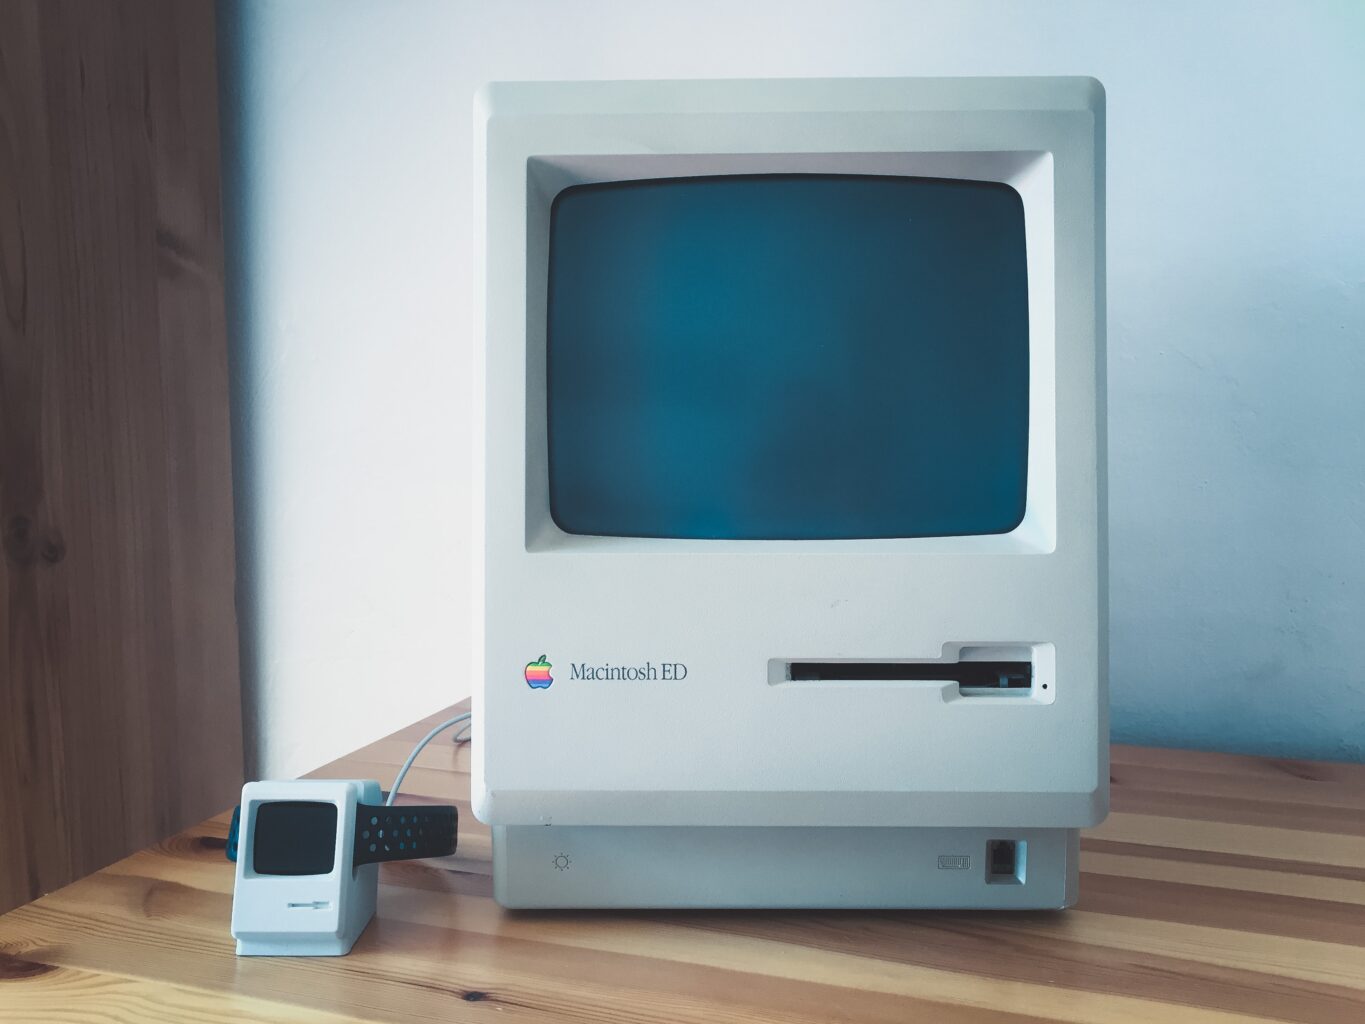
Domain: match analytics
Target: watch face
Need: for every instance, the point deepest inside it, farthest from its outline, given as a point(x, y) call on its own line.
point(294, 837)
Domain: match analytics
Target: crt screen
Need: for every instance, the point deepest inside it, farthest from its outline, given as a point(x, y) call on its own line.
point(294, 837)
point(787, 357)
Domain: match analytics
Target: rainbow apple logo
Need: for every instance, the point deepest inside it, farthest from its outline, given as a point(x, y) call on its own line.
point(538, 674)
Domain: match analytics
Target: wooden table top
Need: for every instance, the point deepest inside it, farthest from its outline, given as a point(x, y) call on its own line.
point(1221, 889)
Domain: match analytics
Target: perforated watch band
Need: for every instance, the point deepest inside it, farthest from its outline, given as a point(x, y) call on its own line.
point(403, 833)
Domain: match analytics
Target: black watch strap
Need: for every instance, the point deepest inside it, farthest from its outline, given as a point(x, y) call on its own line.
point(403, 833)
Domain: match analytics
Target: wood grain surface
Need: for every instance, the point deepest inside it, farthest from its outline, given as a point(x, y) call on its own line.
point(120, 717)
point(1221, 889)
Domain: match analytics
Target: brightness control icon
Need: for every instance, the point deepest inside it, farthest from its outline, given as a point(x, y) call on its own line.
point(562, 862)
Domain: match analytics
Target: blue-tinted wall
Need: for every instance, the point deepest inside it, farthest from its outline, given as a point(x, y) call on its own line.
point(1236, 319)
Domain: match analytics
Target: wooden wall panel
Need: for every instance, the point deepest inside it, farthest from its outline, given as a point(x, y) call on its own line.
point(120, 716)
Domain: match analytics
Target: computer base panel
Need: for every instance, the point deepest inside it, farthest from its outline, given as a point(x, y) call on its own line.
point(554, 866)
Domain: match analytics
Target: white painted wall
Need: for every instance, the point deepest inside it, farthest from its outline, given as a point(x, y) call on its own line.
point(1236, 328)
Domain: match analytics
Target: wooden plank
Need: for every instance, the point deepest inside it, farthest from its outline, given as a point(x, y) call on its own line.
point(1222, 837)
point(120, 717)
point(1180, 918)
point(580, 966)
point(50, 993)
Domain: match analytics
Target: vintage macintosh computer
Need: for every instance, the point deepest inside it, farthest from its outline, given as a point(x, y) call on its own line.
point(792, 522)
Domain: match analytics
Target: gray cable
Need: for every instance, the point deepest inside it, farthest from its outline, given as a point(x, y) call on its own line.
point(402, 772)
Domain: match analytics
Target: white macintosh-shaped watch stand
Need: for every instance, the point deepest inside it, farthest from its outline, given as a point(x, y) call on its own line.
point(308, 857)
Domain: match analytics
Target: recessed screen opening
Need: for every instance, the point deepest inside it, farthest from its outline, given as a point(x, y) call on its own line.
point(294, 837)
point(787, 357)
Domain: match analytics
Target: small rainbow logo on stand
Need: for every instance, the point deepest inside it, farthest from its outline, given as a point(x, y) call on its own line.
point(538, 674)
